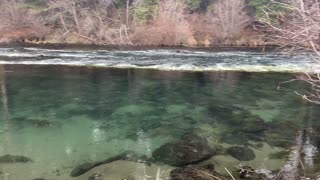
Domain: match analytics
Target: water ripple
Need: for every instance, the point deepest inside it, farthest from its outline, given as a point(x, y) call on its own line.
point(171, 60)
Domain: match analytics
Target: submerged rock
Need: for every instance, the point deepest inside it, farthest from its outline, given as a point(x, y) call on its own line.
point(281, 134)
point(41, 123)
point(254, 126)
point(83, 168)
point(237, 138)
point(14, 159)
point(279, 142)
point(241, 153)
point(241, 138)
point(248, 121)
point(206, 172)
point(190, 150)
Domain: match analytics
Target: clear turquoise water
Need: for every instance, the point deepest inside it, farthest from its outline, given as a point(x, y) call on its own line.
point(95, 113)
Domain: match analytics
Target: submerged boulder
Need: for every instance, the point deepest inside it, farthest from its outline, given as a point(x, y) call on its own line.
point(235, 138)
point(189, 150)
point(81, 169)
point(253, 126)
point(241, 138)
point(241, 153)
point(130, 156)
point(40, 123)
point(206, 172)
point(247, 122)
point(14, 159)
point(281, 134)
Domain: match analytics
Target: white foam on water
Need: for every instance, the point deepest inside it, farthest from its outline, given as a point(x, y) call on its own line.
point(169, 60)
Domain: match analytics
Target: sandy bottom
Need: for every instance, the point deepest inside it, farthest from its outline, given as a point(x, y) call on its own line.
point(58, 150)
point(118, 170)
point(127, 170)
point(124, 170)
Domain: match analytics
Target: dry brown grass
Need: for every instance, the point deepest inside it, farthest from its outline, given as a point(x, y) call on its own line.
point(168, 27)
point(19, 24)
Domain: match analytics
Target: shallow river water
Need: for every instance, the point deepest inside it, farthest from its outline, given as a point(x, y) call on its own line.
point(65, 108)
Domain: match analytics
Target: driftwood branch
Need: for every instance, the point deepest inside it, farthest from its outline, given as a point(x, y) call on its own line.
point(290, 171)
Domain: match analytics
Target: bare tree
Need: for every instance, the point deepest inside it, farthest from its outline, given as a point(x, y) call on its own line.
point(299, 29)
point(12, 16)
point(168, 26)
point(65, 11)
point(97, 20)
point(230, 16)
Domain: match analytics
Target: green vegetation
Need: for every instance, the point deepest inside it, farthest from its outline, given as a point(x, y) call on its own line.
point(193, 5)
point(34, 4)
point(264, 7)
point(144, 10)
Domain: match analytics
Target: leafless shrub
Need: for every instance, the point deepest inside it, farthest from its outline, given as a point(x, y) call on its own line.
point(300, 30)
point(230, 17)
point(300, 27)
point(169, 26)
point(98, 20)
point(12, 16)
point(204, 31)
point(19, 24)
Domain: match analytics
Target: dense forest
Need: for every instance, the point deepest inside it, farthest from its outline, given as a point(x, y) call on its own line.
point(138, 22)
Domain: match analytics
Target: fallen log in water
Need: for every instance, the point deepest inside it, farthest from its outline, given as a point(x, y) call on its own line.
point(291, 170)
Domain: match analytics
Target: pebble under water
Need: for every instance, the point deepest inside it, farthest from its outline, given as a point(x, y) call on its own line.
point(55, 118)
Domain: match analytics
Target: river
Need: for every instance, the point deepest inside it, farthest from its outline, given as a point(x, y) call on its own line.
point(63, 108)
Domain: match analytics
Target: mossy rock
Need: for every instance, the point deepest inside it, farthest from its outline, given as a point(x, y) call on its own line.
point(190, 149)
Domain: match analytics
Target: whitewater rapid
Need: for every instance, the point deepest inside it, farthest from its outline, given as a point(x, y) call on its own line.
point(171, 60)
